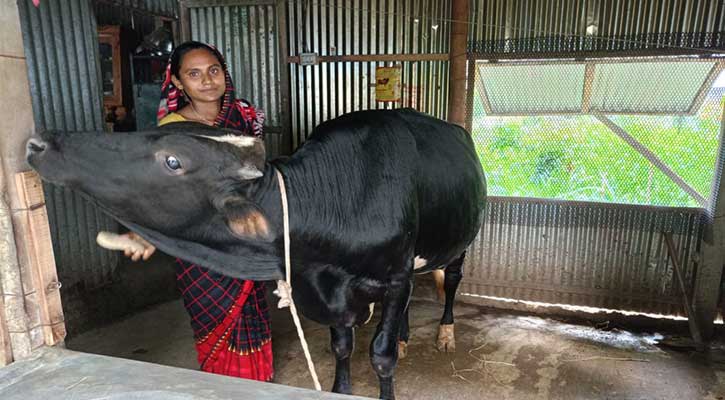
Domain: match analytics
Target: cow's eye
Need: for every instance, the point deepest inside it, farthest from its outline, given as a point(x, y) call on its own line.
point(173, 163)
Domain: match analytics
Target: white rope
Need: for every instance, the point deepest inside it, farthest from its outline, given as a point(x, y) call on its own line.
point(114, 241)
point(284, 288)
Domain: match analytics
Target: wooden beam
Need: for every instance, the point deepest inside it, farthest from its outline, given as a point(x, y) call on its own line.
point(6, 351)
point(457, 69)
point(214, 3)
point(538, 55)
point(575, 290)
point(287, 138)
point(652, 157)
point(375, 58)
point(184, 21)
point(588, 82)
point(705, 87)
point(483, 95)
point(39, 248)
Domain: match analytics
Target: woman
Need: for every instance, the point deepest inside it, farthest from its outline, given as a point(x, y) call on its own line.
point(230, 317)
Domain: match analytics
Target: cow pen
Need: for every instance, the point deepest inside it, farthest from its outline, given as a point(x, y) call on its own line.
point(597, 273)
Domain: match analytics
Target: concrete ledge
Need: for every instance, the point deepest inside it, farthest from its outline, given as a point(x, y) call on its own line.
point(54, 373)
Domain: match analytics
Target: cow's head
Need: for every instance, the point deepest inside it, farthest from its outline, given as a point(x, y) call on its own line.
point(174, 179)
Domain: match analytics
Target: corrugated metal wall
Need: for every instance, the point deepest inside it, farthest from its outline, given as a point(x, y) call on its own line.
point(600, 255)
point(162, 8)
point(587, 254)
point(110, 14)
point(62, 54)
point(363, 27)
point(609, 256)
point(540, 25)
point(247, 37)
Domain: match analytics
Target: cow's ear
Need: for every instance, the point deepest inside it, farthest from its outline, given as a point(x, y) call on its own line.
point(244, 219)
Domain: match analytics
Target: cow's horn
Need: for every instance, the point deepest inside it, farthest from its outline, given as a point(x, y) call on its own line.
point(249, 172)
point(236, 140)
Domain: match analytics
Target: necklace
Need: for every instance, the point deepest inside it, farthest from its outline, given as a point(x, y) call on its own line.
point(201, 117)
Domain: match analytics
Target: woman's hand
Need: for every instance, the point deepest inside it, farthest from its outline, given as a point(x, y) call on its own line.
point(136, 254)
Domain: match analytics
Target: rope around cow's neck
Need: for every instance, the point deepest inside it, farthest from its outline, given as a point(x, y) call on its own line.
point(284, 288)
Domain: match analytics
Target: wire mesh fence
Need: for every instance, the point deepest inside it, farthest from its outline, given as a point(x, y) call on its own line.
point(627, 130)
point(590, 161)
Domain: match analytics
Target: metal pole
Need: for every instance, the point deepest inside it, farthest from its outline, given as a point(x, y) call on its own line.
point(710, 268)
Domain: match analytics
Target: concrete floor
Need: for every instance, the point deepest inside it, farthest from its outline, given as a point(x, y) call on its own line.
point(62, 374)
point(499, 356)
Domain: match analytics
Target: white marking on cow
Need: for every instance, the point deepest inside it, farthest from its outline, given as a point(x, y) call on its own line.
point(236, 140)
point(372, 308)
point(419, 262)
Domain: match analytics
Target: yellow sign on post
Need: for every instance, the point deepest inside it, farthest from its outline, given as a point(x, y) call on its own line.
point(387, 84)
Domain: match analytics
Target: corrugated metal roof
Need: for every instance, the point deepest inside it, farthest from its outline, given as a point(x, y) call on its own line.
point(501, 26)
point(162, 8)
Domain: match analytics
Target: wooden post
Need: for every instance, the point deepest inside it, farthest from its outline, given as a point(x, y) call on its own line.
point(457, 72)
point(16, 312)
point(184, 23)
point(6, 351)
point(35, 232)
point(16, 123)
point(287, 142)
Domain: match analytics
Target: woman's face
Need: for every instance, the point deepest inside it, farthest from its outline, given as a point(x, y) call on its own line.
point(201, 76)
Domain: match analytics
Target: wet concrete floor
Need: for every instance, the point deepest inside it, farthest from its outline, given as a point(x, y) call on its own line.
point(499, 355)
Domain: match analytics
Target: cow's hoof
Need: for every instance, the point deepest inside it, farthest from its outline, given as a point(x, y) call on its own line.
point(402, 349)
point(446, 339)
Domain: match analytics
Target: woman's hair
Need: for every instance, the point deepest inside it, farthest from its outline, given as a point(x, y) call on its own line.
point(180, 51)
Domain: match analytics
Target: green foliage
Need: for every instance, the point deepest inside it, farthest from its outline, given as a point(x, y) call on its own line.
point(578, 158)
point(505, 137)
point(547, 163)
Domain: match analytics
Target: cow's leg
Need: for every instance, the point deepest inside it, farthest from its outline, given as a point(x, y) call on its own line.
point(403, 337)
point(342, 341)
point(384, 347)
point(446, 337)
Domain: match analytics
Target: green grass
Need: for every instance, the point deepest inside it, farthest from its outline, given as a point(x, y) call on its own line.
point(578, 158)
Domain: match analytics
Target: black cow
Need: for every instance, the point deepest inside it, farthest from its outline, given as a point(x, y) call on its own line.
point(373, 196)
